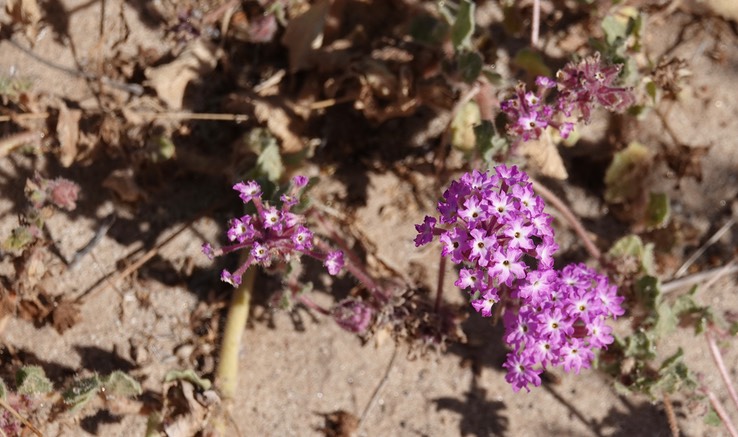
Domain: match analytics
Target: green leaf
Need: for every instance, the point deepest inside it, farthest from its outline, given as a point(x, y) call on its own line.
point(632, 246)
point(20, 238)
point(463, 25)
point(624, 177)
point(470, 65)
point(648, 292)
point(532, 62)
point(652, 90)
point(190, 376)
point(32, 380)
point(641, 345)
point(3, 390)
point(462, 127)
point(489, 142)
point(615, 30)
point(270, 164)
point(712, 418)
point(120, 384)
point(429, 30)
point(674, 374)
point(81, 392)
point(658, 211)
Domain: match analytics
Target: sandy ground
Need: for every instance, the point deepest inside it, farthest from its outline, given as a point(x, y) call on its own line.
point(291, 378)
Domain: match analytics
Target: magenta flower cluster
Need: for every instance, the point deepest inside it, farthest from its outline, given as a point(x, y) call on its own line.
point(581, 86)
point(271, 233)
point(494, 227)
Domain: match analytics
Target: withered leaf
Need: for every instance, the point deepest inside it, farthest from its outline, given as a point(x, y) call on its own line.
point(171, 80)
point(67, 131)
point(544, 155)
point(304, 34)
point(65, 316)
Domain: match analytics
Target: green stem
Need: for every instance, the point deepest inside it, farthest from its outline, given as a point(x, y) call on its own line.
point(226, 376)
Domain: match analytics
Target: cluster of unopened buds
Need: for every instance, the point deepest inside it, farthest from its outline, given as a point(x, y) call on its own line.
point(581, 86)
point(493, 226)
point(270, 233)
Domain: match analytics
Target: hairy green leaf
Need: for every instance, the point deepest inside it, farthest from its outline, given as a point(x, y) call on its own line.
point(624, 178)
point(470, 65)
point(632, 246)
point(462, 28)
point(190, 376)
point(81, 392)
point(532, 62)
point(119, 383)
point(658, 211)
point(32, 380)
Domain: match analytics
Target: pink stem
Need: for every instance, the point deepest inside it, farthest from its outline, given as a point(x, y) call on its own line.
point(718, 358)
point(536, 25)
point(718, 407)
point(576, 225)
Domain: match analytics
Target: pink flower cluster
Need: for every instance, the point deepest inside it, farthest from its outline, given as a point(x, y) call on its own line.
point(496, 230)
point(580, 87)
point(271, 233)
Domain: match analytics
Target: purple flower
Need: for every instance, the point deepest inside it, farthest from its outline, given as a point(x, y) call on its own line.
point(270, 233)
point(234, 280)
point(334, 262)
point(506, 265)
point(487, 301)
point(302, 238)
point(425, 231)
point(207, 249)
point(248, 190)
point(586, 83)
point(353, 315)
point(299, 181)
point(576, 355)
point(495, 228)
point(520, 372)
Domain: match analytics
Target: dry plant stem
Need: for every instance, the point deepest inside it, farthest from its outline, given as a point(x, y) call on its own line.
point(718, 358)
point(11, 142)
point(670, 416)
point(576, 225)
point(226, 376)
point(375, 394)
point(17, 415)
point(688, 281)
point(718, 407)
point(536, 25)
point(719, 234)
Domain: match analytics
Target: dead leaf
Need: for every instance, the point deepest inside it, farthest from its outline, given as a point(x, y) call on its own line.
point(544, 155)
point(123, 183)
point(304, 35)
point(170, 80)
point(340, 424)
point(279, 123)
point(67, 131)
point(25, 12)
point(65, 315)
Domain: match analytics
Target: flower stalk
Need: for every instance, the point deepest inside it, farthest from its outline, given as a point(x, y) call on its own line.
point(226, 376)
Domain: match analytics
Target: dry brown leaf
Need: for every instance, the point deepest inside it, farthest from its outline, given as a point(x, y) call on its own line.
point(170, 80)
point(279, 123)
point(67, 131)
point(123, 183)
point(65, 315)
point(304, 35)
point(25, 12)
point(544, 156)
